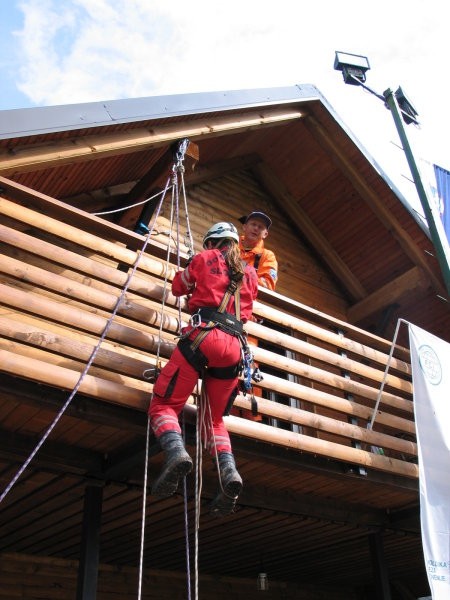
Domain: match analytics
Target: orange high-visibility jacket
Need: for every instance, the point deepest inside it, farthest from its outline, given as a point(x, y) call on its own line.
point(264, 262)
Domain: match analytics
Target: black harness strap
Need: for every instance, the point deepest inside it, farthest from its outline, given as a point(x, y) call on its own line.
point(256, 263)
point(194, 357)
point(224, 372)
point(215, 317)
point(223, 320)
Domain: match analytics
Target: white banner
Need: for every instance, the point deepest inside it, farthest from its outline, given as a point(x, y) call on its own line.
point(430, 359)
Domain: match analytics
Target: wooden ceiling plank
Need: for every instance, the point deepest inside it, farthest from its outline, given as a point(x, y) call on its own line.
point(88, 464)
point(386, 217)
point(196, 176)
point(300, 221)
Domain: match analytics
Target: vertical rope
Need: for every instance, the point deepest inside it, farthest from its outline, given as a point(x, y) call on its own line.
point(174, 218)
point(144, 512)
point(144, 503)
point(94, 353)
point(388, 364)
point(198, 478)
point(186, 529)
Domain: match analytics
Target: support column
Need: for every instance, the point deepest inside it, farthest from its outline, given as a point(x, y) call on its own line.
point(382, 587)
point(90, 542)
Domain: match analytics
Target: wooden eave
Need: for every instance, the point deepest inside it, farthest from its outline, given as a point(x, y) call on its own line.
point(298, 151)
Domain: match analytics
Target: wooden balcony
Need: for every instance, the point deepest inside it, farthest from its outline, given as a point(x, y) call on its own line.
point(312, 456)
point(321, 377)
point(330, 505)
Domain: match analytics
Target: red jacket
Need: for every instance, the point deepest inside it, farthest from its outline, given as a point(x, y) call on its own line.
point(206, 279)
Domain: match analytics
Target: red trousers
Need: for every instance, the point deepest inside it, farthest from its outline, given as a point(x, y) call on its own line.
point(178, 379)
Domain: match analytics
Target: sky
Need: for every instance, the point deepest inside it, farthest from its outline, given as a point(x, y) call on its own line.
point(55, 52)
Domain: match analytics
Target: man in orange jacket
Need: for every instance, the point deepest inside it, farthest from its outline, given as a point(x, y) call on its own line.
point(251, 245)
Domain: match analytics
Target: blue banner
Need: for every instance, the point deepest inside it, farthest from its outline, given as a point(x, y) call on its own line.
point(443, 191)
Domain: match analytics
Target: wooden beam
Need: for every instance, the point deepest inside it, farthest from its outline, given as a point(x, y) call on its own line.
point(52, 208)
point(385, 216)
point(300, 221)
point(90, 543)
point(151, 183)
point(200, 174)
point(304, 443)
point(413, 280)
point(60, 458)
point(92, 147)
point(299, 310)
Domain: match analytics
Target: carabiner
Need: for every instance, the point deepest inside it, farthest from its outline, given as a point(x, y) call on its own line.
point(195, 320)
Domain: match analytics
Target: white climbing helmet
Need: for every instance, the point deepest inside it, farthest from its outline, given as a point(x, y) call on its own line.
point(220, 231)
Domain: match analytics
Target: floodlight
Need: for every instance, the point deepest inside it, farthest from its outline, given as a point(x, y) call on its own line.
point(409, 113)
point(353, 67)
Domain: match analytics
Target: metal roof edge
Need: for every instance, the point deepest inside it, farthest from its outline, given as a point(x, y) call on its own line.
point(50, 119)
point(43, 120)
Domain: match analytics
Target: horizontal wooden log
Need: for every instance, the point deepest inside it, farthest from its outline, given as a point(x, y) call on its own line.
point(144, 311)
point(309, 329)
point(317, 422)
point(303, 443)
point(100, 146)
point(119, 394)
point(58, 227)
point(85, 265)
point(156, 291)
point(297, 367)
point(84, 239)
point(146, 314)
point(121, 364)
point(336, 403)
point(45, 308)
point(30, 329)
point(144, 338)
point(326, 356)
point(67, 379)
point(63, 346)
point(266, 407)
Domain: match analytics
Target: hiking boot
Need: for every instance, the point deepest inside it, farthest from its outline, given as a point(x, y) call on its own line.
point(177, 464)
point(231, 486)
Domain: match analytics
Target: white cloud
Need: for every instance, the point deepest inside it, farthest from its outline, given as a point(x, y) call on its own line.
point(86, 50)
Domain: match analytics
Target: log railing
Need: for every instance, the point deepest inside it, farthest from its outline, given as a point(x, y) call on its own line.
point(59, 282)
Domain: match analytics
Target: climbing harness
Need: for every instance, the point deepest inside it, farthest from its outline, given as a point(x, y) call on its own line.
point(214, 317)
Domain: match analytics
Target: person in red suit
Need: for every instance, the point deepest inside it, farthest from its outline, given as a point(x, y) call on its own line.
point(221, 290)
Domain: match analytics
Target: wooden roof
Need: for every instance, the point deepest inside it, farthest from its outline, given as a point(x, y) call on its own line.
point(348, 246)
point(336, 198)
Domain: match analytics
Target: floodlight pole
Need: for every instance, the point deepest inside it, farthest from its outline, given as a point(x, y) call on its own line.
point(437, 232)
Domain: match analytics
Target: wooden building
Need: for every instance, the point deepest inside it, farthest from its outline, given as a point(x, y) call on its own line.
point(330, 507)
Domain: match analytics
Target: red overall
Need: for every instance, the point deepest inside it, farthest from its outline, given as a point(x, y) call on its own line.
point(206, 279)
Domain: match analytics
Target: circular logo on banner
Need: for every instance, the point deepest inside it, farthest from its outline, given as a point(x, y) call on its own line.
point(430, 364)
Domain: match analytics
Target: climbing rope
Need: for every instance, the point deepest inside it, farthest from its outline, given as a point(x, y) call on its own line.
point(177, 172)
point(88, 365)
point(173, 185)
